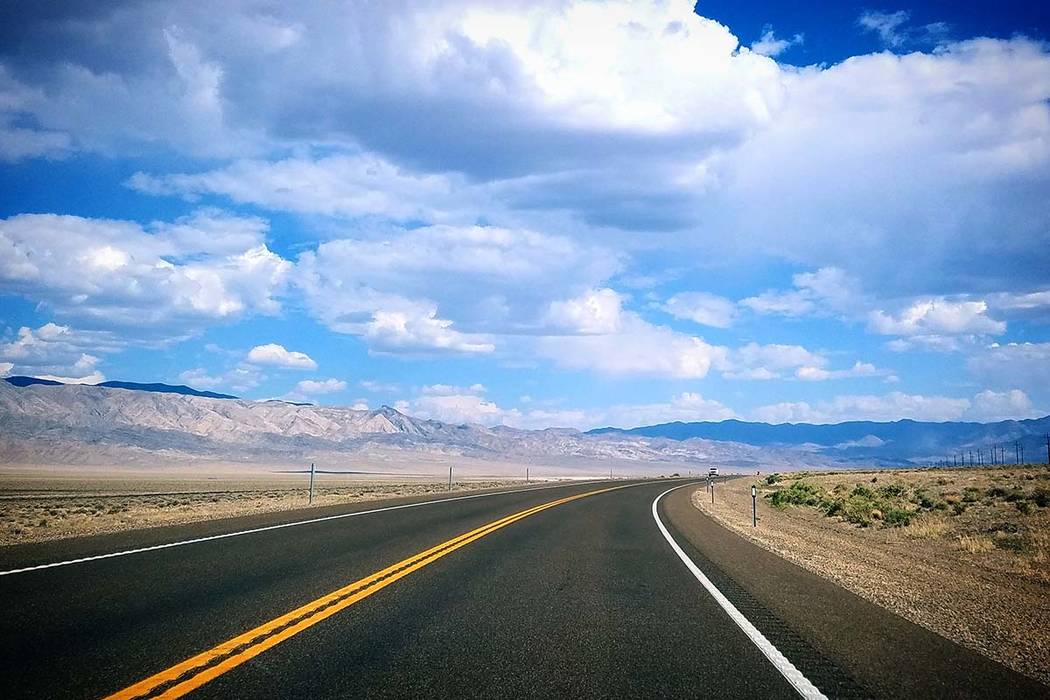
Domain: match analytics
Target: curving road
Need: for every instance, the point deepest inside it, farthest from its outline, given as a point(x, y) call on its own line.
point(575, 590)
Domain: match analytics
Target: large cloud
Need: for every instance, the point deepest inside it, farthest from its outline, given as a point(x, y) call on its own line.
point(58, 352)
point(1010, 365)
point(395, 291)
point(469, 405)
point(551, 143)
point(638, 116)
point(604, 337)
point(168, 279)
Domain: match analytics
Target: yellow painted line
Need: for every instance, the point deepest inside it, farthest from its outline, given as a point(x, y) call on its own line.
point(194, 672)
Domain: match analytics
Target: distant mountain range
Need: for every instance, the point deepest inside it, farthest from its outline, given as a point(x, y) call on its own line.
point(125, 423)
point(133, 386)
point(903, 439)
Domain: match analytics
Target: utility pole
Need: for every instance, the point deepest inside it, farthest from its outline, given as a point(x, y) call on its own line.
point(526, 475)
point(1048, 449)
point(450, 478)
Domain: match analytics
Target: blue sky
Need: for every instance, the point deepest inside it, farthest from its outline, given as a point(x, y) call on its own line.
point(562, 213)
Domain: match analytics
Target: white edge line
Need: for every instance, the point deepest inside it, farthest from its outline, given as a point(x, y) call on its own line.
point(168, 545)
point(787, 669)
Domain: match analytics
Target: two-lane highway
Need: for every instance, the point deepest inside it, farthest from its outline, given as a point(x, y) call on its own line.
point(573, 590)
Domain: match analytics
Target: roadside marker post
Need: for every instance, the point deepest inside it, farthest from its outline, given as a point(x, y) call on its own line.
point(754, 506)
point(450, 478)
point(311, 498)
point(712, 491)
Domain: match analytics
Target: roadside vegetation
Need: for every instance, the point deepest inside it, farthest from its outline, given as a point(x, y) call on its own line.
point(895, 503)
point(977, 511)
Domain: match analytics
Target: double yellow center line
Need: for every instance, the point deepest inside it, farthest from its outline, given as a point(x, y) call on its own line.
point(194, 672)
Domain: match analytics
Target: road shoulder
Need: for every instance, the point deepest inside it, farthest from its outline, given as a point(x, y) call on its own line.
point(880, 650)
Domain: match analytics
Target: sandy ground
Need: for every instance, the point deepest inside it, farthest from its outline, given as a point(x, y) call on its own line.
point(972, 565)
point(35, 507)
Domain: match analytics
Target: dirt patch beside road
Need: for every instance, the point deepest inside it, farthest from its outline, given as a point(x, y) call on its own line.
point(34, 510)
point(965, 553)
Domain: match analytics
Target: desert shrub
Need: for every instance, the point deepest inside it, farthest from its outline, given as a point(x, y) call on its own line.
point(958, 508)
point(800, 493)
point(897, 517)
point(859, 509)
point(996, 492)
point(924, 501)
point(940, 505)
point(894, 490)
point(774, 478)
point(1015, 495)
point(863, 491)
point(971, 494)
point(1041, 496)
point(1024, 507)
point(833, 506)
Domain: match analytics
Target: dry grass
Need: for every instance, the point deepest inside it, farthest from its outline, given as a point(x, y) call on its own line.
point(974, 544)
point(929, 527)
point(965, 553)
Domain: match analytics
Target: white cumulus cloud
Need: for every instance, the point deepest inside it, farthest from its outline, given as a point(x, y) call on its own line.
point(277, 356)
point(937, 316)
point(703, 308)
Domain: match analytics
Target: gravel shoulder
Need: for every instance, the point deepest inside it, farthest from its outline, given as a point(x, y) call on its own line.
point(977, 573)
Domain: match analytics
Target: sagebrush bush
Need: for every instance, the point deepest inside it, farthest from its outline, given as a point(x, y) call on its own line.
point(862, 505)
point(894, 490)
point(897, 517)
point(800, 493)
point(1041, 497)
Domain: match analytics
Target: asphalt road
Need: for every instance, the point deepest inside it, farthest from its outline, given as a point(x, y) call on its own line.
point(585, 598)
